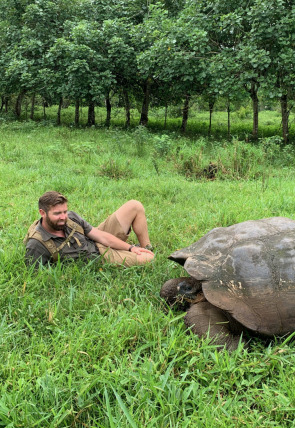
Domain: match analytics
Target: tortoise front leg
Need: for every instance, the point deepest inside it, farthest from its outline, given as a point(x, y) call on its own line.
point(205, 319)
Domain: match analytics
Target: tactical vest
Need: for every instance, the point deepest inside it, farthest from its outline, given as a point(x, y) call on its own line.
point(50, 245)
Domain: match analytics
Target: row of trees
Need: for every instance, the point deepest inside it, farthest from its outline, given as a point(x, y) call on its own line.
point(163, 52)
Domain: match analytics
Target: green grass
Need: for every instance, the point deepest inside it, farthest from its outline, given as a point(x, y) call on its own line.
point(93, 345)
point(198, 122)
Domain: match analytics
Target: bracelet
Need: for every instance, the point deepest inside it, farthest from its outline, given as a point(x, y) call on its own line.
point(130, 248)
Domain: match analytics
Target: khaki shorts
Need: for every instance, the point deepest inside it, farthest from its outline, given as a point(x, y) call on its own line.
point(122, 257)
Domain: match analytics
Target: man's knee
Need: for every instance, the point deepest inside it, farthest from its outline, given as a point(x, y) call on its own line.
point(135, 205)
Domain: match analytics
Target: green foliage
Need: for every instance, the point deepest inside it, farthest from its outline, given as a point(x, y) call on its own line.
point(162, 144)
point(188, 161)
point(235, 160)
point(151, 53)
point(114, 170)
point(86, 149)
point(141, 139)
point(242, 113)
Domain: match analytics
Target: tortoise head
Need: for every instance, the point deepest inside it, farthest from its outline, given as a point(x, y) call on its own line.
point(189, 288)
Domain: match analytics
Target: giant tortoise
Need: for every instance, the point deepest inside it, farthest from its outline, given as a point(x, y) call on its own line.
point(242, 277)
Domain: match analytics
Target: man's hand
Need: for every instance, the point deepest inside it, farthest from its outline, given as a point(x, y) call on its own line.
point(109, 240)
point(140, 250)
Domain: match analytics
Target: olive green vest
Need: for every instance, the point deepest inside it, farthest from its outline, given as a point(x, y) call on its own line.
point(49, 244)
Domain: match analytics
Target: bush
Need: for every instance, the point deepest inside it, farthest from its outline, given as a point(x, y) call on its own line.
point(112, 169)
point(243, 113)
point(141, 136)
point(234, 160)
point(162, 144)
point(188, 161)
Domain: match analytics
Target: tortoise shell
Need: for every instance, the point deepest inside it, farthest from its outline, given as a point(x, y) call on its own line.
point(248, 270)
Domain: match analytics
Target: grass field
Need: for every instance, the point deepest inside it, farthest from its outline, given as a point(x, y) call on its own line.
point(93, 345)
point(198, 122)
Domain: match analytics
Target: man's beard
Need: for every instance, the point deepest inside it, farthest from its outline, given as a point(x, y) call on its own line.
point(54, 225)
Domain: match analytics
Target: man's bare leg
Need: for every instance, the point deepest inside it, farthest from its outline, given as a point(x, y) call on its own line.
point(132, 214)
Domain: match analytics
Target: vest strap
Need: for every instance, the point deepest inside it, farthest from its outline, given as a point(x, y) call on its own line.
point(50, 245)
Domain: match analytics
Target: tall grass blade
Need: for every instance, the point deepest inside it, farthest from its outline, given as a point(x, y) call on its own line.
point(124, 408)
point(109, 410)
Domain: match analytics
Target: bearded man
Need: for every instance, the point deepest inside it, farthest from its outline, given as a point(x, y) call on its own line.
point(64, 234)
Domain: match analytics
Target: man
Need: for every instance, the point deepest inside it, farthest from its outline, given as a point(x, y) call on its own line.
point(62, 233)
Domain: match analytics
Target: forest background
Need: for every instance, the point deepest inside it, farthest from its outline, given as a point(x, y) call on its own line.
point(138, 54)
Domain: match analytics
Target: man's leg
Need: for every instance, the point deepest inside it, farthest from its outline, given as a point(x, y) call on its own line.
point(132, 214)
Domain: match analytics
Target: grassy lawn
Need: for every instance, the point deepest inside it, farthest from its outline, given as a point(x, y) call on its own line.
point(93, 345)
point(198, 122)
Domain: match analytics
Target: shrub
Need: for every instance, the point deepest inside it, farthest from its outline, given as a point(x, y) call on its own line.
point(141, 136)
point(188, 161)
point(234, 160)
point(162, 144)
point(112, 169)
point(243, 113)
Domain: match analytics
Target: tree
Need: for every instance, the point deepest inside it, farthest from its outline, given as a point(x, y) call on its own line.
point(35, 27)
point(273, 30)
point(176, 54)
point(121, 57)
point(77, 68)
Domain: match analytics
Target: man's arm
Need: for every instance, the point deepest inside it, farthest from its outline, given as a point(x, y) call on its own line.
point(109, 240)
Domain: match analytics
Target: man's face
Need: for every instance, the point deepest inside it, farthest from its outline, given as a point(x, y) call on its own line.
point(55, 218)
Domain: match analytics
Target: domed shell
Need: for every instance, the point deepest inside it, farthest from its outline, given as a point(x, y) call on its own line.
point(248, 270)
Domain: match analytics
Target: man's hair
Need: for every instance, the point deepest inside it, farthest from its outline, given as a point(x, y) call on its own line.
point(50, 199)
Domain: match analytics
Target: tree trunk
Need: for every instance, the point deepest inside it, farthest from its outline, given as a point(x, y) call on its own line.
point(285, 117)
point(91, 113)
point(33, 107)
point(59, 111)
point(211, 105)
point(109, 110)
point(127, 107)
point(77, 112)
point(26, 108)
point(185, 111)
point(255, 103)
point(144, 118)
point(18, 104)
point(228, 120)
point(166, 115)
point(45, 104)
point(2, 103)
